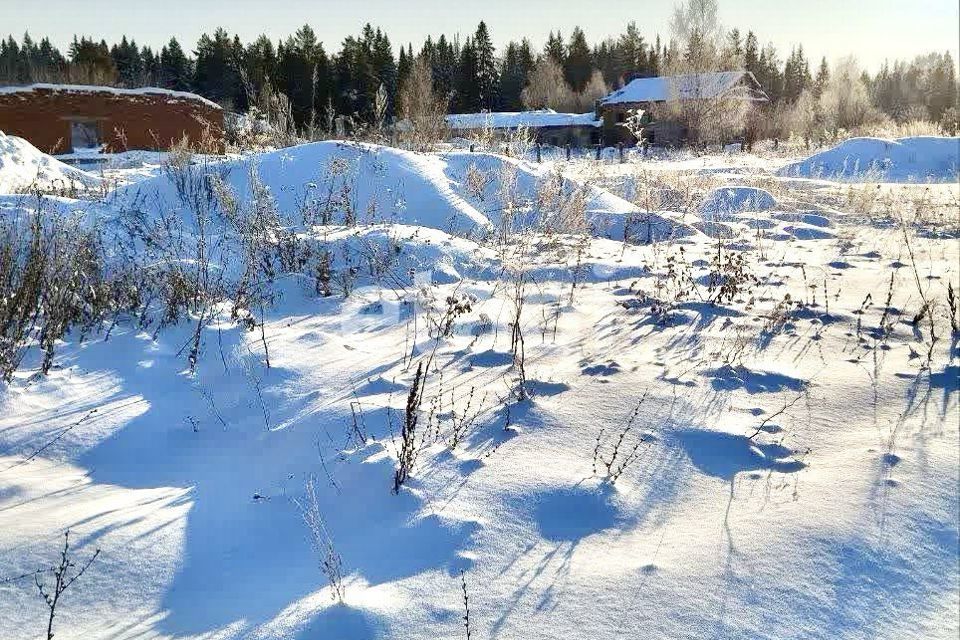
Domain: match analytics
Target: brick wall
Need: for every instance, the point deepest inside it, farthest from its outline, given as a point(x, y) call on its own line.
point(124, 121)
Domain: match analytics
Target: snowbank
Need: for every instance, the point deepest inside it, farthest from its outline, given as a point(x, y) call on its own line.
point(23, 165)
point(328, 182)
point(918, 159)
point(402, 255)
point(466, 194)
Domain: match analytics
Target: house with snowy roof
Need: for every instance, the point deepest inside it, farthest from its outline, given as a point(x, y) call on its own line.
point(63, 118)
point(645, 93)
point(545, 125)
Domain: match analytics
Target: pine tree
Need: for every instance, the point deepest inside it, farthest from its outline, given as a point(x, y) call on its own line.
point(305, 76)
point(151, 67)
point(466, 93)
point(791, 89)
point(217, 74)
point(260, 64)
point(487, 78)
point(514, 74)
point(555, 48)
point(631, 56)
point(751, 55)
point(363, 65)
point(734, 46)
point(175, 68)
point(384, 68)
point(126, 58)
point(443, 62)
point(823, 77)
point(770, 76)
point(91, 62)
point(10, 61)
point(577, 65)
point(404, 67)
point(941, 89)
point(656, 58)
point(238, 60)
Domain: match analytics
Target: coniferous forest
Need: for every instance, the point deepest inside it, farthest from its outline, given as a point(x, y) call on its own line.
point(470, 72)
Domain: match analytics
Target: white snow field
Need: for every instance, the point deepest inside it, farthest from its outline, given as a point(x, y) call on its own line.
point(742, 422)
point(23, 165)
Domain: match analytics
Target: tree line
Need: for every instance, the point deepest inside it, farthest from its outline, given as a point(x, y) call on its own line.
point(365, 77)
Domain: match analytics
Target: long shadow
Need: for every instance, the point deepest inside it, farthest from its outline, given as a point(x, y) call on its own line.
point(728, 378)
point(724, 455)
point(246, 551)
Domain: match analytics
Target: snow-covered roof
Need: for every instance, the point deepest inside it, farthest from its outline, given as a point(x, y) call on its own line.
point(537, 119)
point(83, 88)
point(687, 87)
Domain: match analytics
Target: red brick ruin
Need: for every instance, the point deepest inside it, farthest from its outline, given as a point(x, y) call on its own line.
point(62, 118)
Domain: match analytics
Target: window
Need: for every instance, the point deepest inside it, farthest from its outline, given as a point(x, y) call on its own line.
point(84, 134)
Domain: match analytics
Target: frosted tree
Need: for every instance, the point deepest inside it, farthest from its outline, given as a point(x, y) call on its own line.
point(595, 89)
point(846, 101)
point(547, 87)
point(422, 109)
point(805, 119)
point(707, 112)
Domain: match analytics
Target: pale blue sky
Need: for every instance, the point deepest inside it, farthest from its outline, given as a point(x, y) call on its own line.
point(871, 29)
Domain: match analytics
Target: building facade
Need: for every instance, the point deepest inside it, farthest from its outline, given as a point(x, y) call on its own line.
point(644, 94)
point(62, 119)
point(543, 125)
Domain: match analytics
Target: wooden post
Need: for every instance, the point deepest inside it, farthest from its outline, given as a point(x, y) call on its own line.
point(538, 152)
point(568, 152)
point(599, 149)
point(620, 149)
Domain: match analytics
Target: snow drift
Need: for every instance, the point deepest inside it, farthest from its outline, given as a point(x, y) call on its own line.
point(467, 194)
point(23, 165)
point(917, 159)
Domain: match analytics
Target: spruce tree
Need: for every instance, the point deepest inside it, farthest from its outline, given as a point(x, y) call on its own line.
point(260, 64)
point(823, 77)
point(175, 69)
point(467, 93)
point(126, 59)
point(487, 78)
point(217, 75)
point(577, 64)
point(514, 74)
point(751, 55)
point(555, 48)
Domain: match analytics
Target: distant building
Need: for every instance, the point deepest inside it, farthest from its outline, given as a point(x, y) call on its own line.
point(59, 118)
point(646, 93)
point(545, 125)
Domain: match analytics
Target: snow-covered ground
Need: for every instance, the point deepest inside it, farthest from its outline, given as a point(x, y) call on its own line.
point(728, 426)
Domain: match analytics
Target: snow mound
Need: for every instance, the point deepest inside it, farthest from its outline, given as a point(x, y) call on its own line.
point(466, 194)
point(542, 197)
point(729, 200)
point(22, 165)
point(917, 159)
point(401, 255)
point(329, 182)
